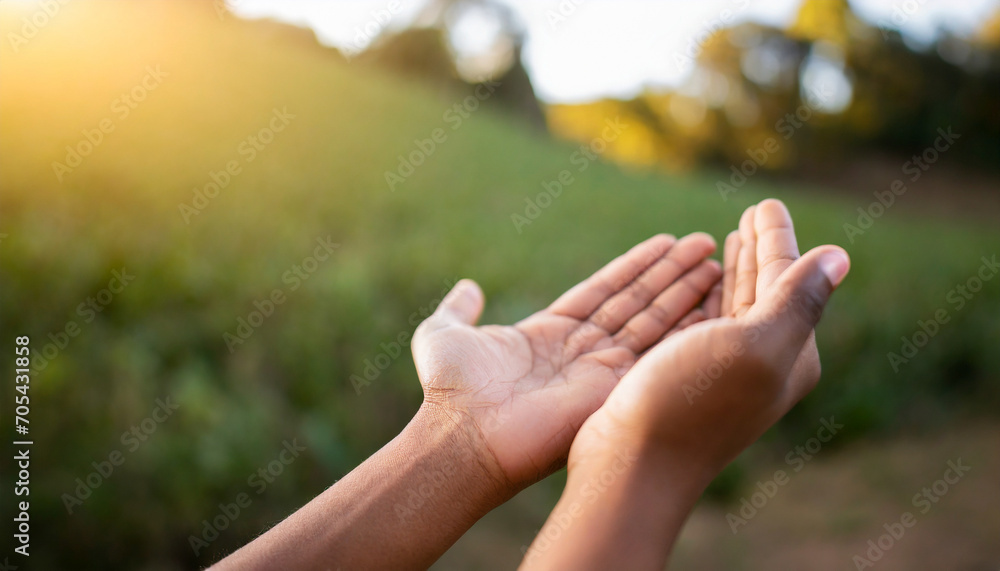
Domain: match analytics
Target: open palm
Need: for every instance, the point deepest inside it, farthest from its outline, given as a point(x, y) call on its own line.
point(527, 388)
point(710, 391)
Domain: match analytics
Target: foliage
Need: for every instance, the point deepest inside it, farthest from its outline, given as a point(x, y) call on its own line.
point(324, 175)
point(747, 77)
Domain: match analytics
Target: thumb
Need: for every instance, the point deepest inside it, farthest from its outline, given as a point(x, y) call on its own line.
point(797, 298)
point(462, 305)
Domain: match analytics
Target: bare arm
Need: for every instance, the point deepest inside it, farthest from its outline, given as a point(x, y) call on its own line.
point(620, 509)
point(693, 403)
point(400, 509)
point(501, 407)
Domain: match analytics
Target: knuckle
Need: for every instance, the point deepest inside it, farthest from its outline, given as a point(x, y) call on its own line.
point(639, 290)
point(660, 315)
point(772, 257)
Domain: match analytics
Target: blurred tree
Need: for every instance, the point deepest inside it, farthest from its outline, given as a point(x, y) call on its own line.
point(825, 20)
point(854, 87)
point(418, 53)
point(989, 34)
point(427, 51)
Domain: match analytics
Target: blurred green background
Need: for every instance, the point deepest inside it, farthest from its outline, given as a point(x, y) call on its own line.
point(213, 83)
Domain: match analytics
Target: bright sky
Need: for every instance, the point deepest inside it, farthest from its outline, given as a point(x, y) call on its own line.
point(579, 50)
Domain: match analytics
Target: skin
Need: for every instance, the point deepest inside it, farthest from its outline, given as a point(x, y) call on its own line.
point(501, 407)
point(639, 464)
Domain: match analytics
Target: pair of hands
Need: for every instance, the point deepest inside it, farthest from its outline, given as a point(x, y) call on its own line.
point(653, 373)
point(660, 351)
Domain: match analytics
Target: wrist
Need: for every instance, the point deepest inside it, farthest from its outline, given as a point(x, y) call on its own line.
point(419, 493)
point(623, 506)
point(604, 443)
point(462, 462)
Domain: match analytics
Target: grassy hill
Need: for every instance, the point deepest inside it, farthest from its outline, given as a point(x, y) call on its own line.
point(212, 84)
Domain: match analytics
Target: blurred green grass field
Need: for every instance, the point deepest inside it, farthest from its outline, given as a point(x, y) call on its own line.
point(324, 176)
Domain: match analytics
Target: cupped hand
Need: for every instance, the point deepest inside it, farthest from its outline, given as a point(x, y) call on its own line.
point(523, 390)
point(708, 392)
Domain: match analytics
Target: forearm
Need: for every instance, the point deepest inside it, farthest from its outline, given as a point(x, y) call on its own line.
point(623, 510)
point(400, 509)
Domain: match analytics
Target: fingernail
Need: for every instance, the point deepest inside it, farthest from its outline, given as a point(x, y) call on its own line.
point(464, 288)
point(835, 265)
